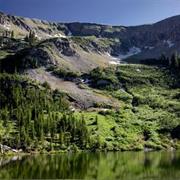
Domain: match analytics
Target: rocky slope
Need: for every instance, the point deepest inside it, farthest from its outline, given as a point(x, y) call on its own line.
point(78, 48)
point(138, 42)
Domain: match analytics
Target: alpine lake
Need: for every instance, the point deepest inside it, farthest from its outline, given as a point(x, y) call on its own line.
point(86, 165)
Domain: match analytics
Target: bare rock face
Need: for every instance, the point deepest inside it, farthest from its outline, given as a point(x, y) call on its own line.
point(44, 54)
point(84, 29)
point(153, 40)
point(150, 40)
point(63, 45)
point(39, 57)
point(2, 18)
point(88, 29)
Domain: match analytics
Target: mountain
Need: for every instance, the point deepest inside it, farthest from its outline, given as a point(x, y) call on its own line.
point(138, 42)
point(69, 86)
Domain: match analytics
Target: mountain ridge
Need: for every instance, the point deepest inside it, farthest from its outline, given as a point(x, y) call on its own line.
point(152, 40)
point(95, 23)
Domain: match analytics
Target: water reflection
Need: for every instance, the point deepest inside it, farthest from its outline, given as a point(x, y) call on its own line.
point(124, 166)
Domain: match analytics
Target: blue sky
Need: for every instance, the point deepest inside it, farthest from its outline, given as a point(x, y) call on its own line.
point(115, 12)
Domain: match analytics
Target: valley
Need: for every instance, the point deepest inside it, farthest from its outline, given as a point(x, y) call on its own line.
point(89, 87)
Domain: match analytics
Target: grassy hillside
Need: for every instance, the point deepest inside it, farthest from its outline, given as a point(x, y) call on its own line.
point(33, 117)
point(75, 54)
point(148, 115)
point(150, 108)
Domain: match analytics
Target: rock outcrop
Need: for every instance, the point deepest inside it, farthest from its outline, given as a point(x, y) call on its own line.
point(150, 41)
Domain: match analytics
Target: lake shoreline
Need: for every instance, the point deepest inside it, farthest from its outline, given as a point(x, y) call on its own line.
point(146, 150)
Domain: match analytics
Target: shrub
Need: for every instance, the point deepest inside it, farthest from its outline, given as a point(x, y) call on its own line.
point(46, 85)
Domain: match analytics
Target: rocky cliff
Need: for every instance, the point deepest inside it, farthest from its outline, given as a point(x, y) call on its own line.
point(137, 42)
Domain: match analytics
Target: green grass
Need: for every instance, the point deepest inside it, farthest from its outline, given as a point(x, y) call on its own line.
point(119, 130)
point(149, 110)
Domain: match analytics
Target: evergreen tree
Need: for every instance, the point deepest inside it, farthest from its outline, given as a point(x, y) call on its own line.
point(12, 34)
point(175, 61)
point(37, 114)
point(31, 38)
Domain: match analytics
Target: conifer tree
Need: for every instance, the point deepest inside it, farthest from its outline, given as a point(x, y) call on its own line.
point(12, 35)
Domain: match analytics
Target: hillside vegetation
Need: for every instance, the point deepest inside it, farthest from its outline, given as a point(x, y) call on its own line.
point(34, 117)
point(66, 88)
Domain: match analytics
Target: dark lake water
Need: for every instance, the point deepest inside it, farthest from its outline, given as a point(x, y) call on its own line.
point(118, 165)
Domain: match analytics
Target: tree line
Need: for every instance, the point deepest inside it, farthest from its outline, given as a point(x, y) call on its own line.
point(37, 118)
point(173, 61)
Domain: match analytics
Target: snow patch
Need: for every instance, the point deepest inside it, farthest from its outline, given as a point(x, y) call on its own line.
point(49, 35)
point(59, 35)
point(132, 51)
point(169, 43)
point(108, 54)
point(112, 57)
point(149, 47)
point(115, 58)
point(114, 62)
